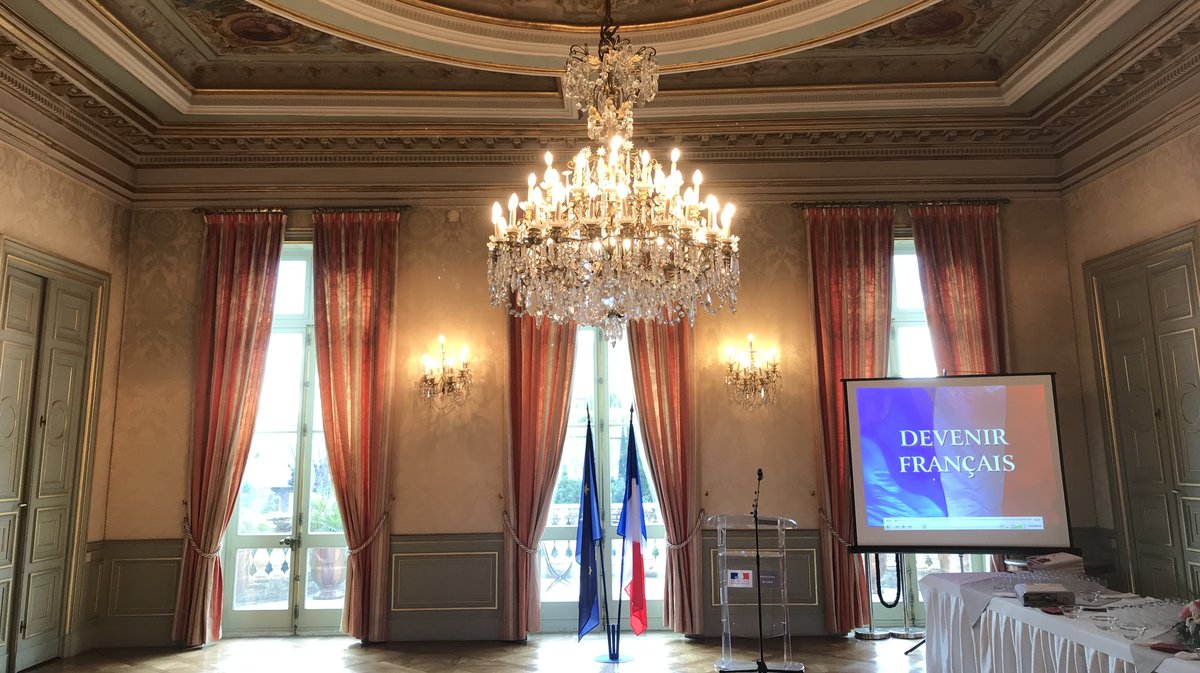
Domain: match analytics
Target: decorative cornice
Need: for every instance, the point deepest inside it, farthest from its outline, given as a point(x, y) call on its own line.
point(99, 29)
point(716, 146)
point(42, 87)
point(1159, 68)
point(1082, 30)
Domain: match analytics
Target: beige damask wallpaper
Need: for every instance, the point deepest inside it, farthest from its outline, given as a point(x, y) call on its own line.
point(442, 289)
point(151, 434)
point(1152, 195)
point(59, 215)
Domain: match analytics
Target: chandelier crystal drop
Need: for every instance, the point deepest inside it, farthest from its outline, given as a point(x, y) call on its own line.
point(613, 236)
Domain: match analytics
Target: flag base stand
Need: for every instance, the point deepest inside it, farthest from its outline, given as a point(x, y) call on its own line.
point(614, 655)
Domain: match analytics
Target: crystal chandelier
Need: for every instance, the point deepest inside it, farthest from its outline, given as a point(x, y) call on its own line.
point(443, 384)
point(614, 236)
point(752, 383)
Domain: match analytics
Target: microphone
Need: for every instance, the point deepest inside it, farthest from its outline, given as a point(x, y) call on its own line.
point(760, 474)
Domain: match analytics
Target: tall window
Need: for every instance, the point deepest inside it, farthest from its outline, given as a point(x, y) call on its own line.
point(602, 382)
point(285, 551)
point(911, 349)
point(910, 355)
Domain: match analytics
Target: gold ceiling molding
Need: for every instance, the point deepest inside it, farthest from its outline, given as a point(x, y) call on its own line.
point(767, 29)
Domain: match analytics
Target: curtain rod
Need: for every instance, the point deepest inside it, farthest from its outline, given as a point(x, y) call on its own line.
point(939, 202)
point(365, 209)
point(208, 211)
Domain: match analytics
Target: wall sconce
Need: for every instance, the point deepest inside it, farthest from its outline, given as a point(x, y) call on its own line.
point(443, 385)
point(752, 383)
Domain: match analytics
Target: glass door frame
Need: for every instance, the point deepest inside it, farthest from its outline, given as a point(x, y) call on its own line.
point(297, 546)
point(562, 616)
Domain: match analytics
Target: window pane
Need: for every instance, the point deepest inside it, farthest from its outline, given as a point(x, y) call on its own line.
point(317, 415)
point(326, 587)
point(654, 561)
point(283, 384)
point(559, 571)
point(261, 578)
point(939, 563)
point(564, 507)
point(907, 284)
point(265, 497)
point(290, 288)
point(914, 349)
point(323, 514)
point(620, 398)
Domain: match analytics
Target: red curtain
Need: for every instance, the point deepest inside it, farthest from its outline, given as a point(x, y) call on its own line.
point(541, 355)
point(664, 386)
point(354, 264)
point(852, 273)
point(241, 264)
point(958, 249)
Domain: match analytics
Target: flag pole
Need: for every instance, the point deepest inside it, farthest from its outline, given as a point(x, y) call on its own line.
point(624, 544)
point(603, 571)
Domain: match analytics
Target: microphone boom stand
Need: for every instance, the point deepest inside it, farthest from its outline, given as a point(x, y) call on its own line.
point(760, 666)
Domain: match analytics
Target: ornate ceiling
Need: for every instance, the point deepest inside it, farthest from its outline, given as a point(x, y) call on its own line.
point(231, 44)
point(1016, 86)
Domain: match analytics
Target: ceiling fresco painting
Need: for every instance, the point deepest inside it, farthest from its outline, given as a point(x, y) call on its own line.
point(589, 12)
point(232, 26)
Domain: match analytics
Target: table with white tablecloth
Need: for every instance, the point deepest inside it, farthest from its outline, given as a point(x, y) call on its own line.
point(968, 630)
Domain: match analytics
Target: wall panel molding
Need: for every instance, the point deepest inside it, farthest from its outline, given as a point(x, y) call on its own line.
point(127, 594)
point(446, 587)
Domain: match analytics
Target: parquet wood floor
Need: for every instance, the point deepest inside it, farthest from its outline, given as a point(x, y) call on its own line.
point(652, 653)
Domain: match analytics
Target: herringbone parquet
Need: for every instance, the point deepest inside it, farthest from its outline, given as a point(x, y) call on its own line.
point(652, 653)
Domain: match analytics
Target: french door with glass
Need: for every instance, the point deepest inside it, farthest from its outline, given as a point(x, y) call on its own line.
point(284, 557)
point(603, 383)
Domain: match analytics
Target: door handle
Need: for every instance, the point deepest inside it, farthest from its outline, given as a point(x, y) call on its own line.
point(292, 542)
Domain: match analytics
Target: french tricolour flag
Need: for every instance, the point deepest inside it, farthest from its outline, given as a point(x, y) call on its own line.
point(635, 536)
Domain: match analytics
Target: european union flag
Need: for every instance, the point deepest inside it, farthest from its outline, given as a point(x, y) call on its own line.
point(586, 537)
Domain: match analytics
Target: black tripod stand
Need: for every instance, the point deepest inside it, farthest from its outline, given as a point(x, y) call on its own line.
point(760, 666)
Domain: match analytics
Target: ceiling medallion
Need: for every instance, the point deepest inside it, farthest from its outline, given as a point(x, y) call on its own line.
point(614, 236)
point(258, 28)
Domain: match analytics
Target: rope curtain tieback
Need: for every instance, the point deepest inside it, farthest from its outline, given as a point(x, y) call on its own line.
point(512, 532)
point(378, 527)
point(691, 535)
point(187, 531)
point(829, 526)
